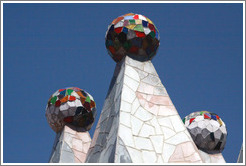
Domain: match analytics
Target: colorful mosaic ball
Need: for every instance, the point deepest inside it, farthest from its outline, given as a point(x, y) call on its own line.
point(134, 35)
point(207, 130)
point(71, 106)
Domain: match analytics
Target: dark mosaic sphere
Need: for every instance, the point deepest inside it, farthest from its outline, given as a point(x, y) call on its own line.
point(207, 130)
point(134, 35)
point(70, 105)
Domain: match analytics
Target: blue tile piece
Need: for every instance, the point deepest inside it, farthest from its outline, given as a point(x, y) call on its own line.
point(144, 23)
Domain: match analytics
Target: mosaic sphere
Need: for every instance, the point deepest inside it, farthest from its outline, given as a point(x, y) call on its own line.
point(70, 106)
point(207, 130)
point(134, 35)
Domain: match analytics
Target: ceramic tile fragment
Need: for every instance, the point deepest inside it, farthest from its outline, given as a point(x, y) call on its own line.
point(207, 131)
point(149, 157)
point(143, 143)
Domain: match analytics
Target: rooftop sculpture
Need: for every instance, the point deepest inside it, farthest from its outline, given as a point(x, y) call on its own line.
point(133, 35)
point(70, 105)
point(70, 112)
point(207, 130)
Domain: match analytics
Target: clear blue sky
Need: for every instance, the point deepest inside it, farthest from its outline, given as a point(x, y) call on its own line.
point(51, 46)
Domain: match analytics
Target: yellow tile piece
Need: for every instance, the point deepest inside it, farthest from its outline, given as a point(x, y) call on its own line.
point(149, 21)
point(130, 26)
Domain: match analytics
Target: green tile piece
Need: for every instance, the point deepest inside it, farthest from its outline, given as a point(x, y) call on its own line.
point(139, 28)
point(152, 34)
point(132, 22)
point(88, 99)
point(69, 91)
point(53, 100)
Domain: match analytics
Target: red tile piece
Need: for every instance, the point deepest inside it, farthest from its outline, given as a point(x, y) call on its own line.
point(191, 120)
point(140, 34)
point(151, 27)
point(111, 49)
point(136, 17)
point(118, 30)
point(72, 98)
point(58, 103)
point(206, 116)
point(87, 106)
point(61, 90)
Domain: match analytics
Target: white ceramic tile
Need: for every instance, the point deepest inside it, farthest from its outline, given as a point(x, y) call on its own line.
point(155, 123)
point(136, 125)
point(146, 30)
point(178, 138)
point(142, 17)
point(147, 131)
point(64, 107)
point(71, 104)
point(125, 119)
point(214, 123)
point(143, 143)
point(149, 157)
point(177, 123)
point(167, 151)
point(134, 63)
point(78, 103)
point(132, 73)
point(143, 114)
point(166, 122)
point(167, 132)
point(205, 156)
point(151, 80)
point(127, 94)
point(142, 74)
point(149, 68)
point(192, 125)
point(159, 159)
point(167, 111)
point(119, 24)
point(131, 83)
point(209, 127)
point(125, 106)
point(136, 155)
point(157, 141)
point(68, 139)
point(135, 106)
point(145, 88)
point(223, 129)
point(125, 134)
point(75, 95)
point(215, 128)
point(201, 124)
point(199, 118)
